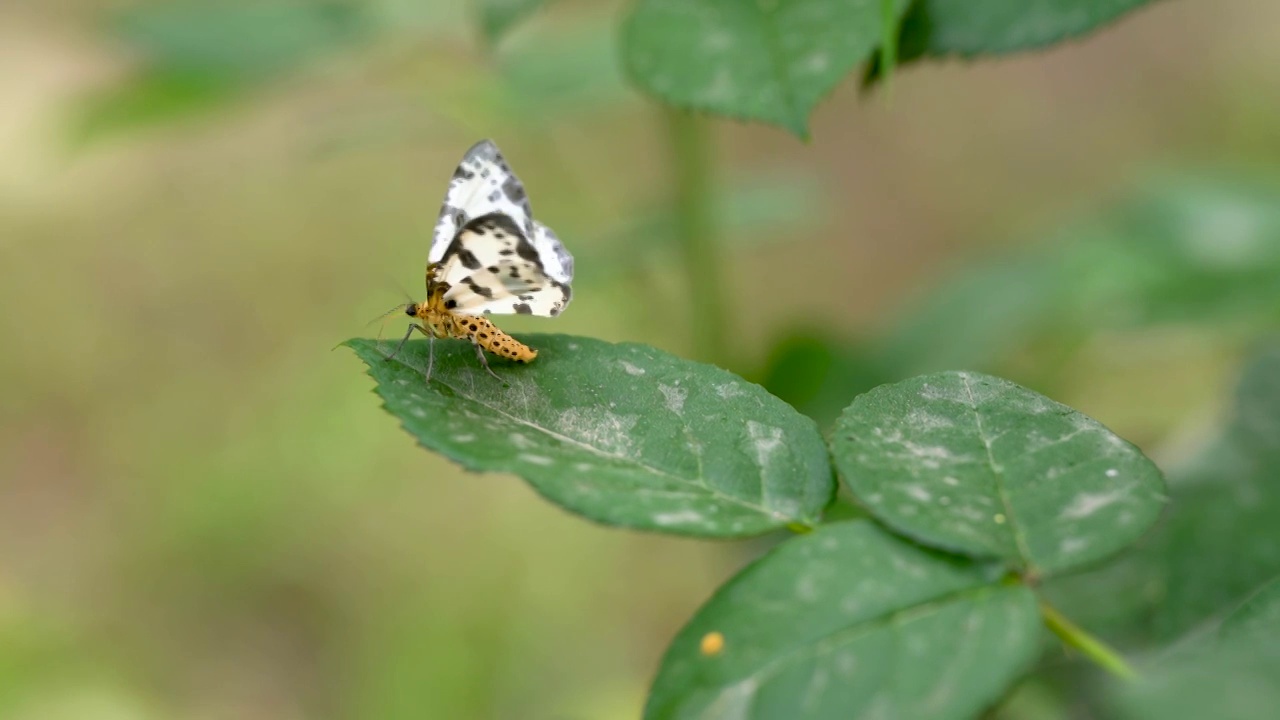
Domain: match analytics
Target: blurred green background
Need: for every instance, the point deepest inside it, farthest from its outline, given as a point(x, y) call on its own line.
point(205, 514)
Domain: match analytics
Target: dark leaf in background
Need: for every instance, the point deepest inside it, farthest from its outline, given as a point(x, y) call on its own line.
point(768, 61)
point(974, 28)
point(994, 27)
point(1234, 675)
point(818, 376)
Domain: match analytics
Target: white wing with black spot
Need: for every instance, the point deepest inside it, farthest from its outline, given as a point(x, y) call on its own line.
point(492, 254)
point(482, 184)
point(556, 261)
point(491, 267)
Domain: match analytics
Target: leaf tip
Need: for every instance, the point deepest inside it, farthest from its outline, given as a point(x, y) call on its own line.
point(799, 128)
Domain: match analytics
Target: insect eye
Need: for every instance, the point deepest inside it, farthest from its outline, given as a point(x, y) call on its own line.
point(411, 309)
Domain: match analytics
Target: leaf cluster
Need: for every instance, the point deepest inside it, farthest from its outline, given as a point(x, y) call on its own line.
point(987, 502)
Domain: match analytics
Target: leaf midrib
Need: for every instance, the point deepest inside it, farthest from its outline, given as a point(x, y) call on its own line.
point(1015, 528)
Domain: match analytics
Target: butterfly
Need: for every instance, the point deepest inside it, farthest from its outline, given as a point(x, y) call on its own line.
point(488, 256)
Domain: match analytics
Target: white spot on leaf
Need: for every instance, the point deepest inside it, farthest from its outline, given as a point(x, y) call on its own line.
point(729, 390)
point(598, 428)
point(806, 589)
point(918, 492)
point(1072, 545)
point(679, 517)
point(766, 440)
point(674, 397)
point(717, 41)
point(817, 63)
point(1086, 504)
point(631, 369)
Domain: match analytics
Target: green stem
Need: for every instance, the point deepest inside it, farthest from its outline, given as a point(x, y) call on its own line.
point(691, 160)
point(889, 30)
point(1093, 648)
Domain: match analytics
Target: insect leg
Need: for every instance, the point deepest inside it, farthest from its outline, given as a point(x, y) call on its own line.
point(403, 340)
point(431, 354)
point(485, 362)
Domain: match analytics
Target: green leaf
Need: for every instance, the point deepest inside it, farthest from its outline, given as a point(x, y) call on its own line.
point(1237, 681)
point(848, 622)
point(1219, 541)
point(1260, 613)
point(771, 60)
point(1235, 676)
point(979, 465)
point(622, 434)
point(972, 28)
point(994, 27)
point(497, 17)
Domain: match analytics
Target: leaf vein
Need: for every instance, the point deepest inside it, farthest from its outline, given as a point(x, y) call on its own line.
point(997, 476)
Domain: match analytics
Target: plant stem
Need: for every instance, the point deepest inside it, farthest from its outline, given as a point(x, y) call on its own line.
point(691, 161)
point(889, 29)
point(1093, 648)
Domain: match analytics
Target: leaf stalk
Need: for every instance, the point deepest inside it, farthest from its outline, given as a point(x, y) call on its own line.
point(1094, 649)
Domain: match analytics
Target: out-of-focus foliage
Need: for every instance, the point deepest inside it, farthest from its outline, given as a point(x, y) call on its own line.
point(1232, 676)
point(240, 39)
point(1217, 545)
point(195, 56)
point(499, 16)
point(1183, 250)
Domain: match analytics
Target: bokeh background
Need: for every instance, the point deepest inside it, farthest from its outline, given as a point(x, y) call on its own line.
point(203, 511)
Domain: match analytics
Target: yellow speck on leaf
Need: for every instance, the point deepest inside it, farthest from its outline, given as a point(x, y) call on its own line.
point(712, 644)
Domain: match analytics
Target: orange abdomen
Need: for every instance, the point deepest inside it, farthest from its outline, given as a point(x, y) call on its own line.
point(487, 335)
